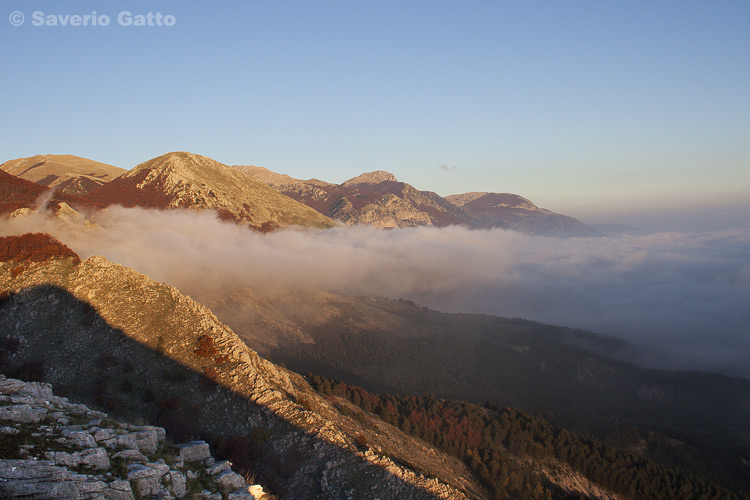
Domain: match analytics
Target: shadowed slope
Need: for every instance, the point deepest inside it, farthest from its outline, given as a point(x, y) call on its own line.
point(113, 337)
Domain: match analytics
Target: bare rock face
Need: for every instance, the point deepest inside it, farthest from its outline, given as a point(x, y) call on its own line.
point(53, 458)
point(378, 199)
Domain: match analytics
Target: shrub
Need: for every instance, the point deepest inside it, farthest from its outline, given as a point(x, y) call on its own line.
point(205, 347)
point(33, 247)
point(361, 441)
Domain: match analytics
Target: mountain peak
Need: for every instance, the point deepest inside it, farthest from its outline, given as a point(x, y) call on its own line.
point(509, 200)
point(177, 162)
point(375, 177)
point(186, 180)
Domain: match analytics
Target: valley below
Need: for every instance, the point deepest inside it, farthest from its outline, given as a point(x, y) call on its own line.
point(330, 357)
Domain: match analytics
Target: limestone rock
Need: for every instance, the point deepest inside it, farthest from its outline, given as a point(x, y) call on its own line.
point(10, 386)
point(48, 474)
point(22, 413)
point(147, 479)
point(131, 456)
point(118, 490)
point(95, 458)
point(219, 467)
point(43, 480)
point(81, 439)
point(194, 451)
point(178, 484)
point(230, 480)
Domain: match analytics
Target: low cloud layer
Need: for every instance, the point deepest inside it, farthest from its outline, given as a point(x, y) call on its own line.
point(684, 296)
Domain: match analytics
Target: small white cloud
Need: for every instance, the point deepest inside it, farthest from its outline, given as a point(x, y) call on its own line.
point(447, 168)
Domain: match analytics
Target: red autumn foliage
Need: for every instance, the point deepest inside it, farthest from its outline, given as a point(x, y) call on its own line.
point(34, 247)
point(211, 373)
point(265, 227)
point(125, 191)
point(19, 193)
point(205, 347)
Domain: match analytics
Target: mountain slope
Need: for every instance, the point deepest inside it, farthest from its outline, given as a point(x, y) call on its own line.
point(185, 180)
point(112, 337)
point(17, 194)
point(66, 173)
point(510, 211)
point(380, 200)
point(588, 380)
point(376, 198)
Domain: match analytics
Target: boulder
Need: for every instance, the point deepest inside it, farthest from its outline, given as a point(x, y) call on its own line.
point(219, 467)
point(131, 456)
point(229, 480)
point(146, 479)
point(10, 386)
point(118, 490)
point(194, 451)
point(179, 483)
point(80, 439)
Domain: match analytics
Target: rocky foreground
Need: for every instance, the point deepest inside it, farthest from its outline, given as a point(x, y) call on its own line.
point(57, 450)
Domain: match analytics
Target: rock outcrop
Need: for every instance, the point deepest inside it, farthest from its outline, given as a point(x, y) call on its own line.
point(53, 449)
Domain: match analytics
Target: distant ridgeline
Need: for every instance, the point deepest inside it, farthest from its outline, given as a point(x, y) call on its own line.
point(519, 455)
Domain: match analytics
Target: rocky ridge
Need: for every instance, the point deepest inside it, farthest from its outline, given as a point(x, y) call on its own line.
point(55, 449)
point(510, 211)
point(152, 353)
point(186, 180)
point(378, 199)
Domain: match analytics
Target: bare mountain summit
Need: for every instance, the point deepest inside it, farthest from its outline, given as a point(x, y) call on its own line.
point(67, 173)
point(510, 211)
point(186, 180)
point(371, 178)
point(376, 198)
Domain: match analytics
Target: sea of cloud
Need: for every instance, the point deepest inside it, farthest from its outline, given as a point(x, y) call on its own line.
point(685, 297)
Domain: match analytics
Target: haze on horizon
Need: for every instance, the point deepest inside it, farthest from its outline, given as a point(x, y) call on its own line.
point(594, 110)
point(680, 296)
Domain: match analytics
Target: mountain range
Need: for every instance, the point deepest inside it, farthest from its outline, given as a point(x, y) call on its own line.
point(379, 199)
point(480, 407)
point(240, 194)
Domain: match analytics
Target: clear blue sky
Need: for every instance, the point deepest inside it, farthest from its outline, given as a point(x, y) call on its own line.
point(582, 106)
